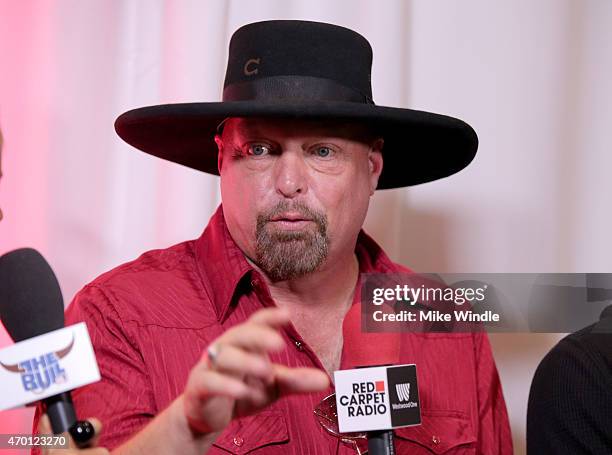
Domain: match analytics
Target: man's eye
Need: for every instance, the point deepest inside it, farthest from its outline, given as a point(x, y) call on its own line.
point(323, 152)
point(258, 150)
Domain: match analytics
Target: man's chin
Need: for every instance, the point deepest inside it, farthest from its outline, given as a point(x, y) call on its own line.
point(279, 238)
point(290, 256)
point(290, 249)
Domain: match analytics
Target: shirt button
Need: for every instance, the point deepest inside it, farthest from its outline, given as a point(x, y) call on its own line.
point(238, 441)
point(299, 345)
point(435, 440)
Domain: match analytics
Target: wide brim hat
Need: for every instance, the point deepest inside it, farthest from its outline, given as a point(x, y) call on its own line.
point(303, 70)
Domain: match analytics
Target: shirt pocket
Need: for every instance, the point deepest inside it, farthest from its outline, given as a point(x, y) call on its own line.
point(440, 432)
point(261, 433)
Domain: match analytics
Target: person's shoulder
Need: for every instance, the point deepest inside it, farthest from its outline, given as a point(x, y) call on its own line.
point(588, 347)
point(569, 399)
point(158, 261)
point(138, 286)
point(569, 348)
point(585, 355)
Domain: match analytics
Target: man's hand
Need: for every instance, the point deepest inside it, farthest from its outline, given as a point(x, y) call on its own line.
point(239, 379)
point(44, 427)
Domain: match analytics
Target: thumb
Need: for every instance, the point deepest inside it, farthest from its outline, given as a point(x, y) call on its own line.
point(44, 425)
point(97, 431)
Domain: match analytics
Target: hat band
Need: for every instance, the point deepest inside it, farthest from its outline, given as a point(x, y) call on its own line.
point(293, 87)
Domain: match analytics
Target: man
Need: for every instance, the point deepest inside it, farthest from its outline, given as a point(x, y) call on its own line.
point(299, 146)
point(570, 405)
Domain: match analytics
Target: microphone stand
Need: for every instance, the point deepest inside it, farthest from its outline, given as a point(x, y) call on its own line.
point(381, 442)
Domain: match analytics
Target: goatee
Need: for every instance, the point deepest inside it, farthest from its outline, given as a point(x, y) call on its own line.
point(284, 255)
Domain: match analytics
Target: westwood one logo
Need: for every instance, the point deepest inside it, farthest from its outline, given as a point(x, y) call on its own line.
point(39, 373)
point(366, 399)
point(403, 395)
point(403, 391)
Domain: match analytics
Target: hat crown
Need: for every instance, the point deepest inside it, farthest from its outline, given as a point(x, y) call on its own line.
point(290, 51)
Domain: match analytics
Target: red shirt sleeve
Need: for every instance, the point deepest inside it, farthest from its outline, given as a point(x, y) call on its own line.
point(123, 398)
point(495, 436)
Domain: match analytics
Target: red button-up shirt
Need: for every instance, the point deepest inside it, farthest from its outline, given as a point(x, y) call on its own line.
point(151, 319)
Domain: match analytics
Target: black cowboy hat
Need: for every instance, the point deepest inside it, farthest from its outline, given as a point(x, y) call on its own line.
point(309, 70)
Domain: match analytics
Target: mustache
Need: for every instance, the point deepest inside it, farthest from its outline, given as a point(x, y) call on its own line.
point(284, 206)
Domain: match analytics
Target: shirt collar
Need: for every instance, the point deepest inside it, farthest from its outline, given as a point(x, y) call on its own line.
point(223, 265)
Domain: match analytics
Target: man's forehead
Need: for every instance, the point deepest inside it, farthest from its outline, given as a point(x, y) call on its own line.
point(256, 126)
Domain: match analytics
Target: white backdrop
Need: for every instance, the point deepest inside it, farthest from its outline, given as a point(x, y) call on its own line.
point(533, 79)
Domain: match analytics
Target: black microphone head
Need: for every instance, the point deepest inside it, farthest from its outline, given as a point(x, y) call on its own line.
point(30, 297)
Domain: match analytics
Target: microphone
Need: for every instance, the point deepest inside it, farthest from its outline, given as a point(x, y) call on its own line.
point(31, 304)
point(368, 349)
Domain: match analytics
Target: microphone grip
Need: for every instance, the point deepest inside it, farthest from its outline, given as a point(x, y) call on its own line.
point(381, 442)
point(61, 412)
point(63, 418)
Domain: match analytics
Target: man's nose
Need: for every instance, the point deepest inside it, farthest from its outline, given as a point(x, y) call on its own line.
point(290, 174)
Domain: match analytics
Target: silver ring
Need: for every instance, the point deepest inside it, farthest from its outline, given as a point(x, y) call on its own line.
point(213, 352)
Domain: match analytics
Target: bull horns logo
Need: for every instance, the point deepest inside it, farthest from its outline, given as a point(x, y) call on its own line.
point(15, 368)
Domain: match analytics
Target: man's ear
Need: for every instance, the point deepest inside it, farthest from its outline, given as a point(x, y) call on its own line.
point(375, 163)
point(219, 143)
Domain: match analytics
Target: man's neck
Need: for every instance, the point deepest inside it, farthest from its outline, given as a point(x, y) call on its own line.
point(318, 303)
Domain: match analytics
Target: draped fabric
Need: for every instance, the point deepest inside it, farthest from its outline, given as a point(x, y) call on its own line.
point(532, 78)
